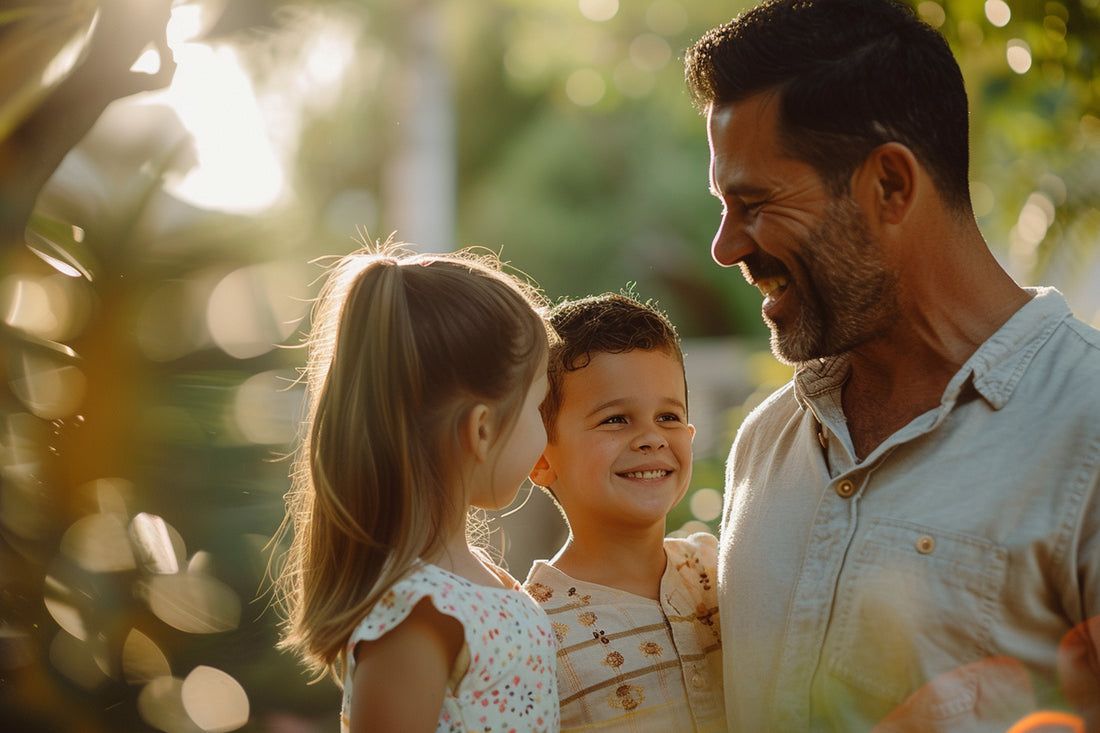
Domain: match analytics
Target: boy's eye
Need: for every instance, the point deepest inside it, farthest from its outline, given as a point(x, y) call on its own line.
point(615, 420)
point(670, 417)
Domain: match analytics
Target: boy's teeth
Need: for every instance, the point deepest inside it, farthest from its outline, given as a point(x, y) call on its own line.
point(769, 285)
point(647, 474)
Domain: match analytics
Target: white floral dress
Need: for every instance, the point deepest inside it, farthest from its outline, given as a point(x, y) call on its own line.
point(504, 678)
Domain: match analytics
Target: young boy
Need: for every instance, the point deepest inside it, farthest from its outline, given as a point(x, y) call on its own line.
point(635, 614)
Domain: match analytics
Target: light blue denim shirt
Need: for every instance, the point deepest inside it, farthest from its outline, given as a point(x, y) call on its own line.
point(973, 532)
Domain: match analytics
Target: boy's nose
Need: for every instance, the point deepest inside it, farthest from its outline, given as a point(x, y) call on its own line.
point(649, 439)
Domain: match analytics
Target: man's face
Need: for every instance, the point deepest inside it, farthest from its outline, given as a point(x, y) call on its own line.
point(621, 453)
point(826, 285)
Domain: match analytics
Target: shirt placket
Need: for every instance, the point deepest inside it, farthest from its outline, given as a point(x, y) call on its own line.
point(833, 530)
point(697, 682)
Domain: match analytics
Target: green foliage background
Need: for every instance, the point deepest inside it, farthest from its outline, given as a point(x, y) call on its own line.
point(582, 198)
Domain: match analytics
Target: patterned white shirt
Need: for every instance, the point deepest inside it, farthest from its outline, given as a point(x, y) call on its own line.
point(628, 663)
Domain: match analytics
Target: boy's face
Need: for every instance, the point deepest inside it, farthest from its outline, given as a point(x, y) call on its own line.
point(621, 454)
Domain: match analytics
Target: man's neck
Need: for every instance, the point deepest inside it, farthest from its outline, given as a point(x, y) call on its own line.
point(903, 374)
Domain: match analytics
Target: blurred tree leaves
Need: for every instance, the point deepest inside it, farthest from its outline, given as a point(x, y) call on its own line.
point(1035, 131)
point(46, 41)
point(64, 61)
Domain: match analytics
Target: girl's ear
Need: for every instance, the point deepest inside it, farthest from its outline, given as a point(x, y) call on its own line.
point(543, 474)
point(476, 432)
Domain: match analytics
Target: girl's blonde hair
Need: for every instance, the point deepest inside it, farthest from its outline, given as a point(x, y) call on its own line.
point(402, 347)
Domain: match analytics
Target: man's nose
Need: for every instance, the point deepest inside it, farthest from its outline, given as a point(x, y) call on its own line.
point(731, 243)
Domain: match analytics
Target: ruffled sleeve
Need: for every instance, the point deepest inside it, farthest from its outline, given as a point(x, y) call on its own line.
point(398, 602)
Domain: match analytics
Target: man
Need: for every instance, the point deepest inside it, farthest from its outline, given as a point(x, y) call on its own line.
point(912, 525)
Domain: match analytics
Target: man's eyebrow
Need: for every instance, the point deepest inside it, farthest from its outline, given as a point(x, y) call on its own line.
point(742, 190)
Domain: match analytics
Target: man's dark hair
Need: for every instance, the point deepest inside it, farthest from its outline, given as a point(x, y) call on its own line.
point(850, 75)
point(610, 323)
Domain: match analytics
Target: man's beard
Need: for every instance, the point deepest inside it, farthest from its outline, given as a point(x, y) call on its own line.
point(850, 297)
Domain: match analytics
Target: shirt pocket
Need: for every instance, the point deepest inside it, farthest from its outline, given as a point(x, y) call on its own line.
point(915, 602)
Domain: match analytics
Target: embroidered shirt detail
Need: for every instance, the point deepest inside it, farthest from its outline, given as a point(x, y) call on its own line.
point(631, 663)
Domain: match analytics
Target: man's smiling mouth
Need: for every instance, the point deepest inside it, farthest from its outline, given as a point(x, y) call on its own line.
point(769, 285)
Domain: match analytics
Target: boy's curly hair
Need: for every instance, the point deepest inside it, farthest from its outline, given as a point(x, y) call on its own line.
point(609, 323)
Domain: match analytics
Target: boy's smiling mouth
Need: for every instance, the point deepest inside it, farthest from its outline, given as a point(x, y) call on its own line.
point(651, 474)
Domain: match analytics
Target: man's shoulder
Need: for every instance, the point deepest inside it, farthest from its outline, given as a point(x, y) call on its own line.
point(1071, 358)
point(783, 400)
point(1050, 336)
point(772, 413)
point(1088, 334)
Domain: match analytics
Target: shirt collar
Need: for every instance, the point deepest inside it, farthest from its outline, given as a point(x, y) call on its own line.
point(994, 369)
point(997, 366)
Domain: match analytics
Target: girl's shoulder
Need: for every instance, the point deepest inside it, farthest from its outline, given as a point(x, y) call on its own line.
point(450, 594)
point(508, 650)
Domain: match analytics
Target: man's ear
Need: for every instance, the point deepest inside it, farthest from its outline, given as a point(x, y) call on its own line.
point(476, 432)
point(543, 474)
point(886, 182)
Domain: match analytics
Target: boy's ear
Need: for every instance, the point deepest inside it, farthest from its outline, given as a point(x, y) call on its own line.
point(543, 474)
point(475, 432)
point(691, 429)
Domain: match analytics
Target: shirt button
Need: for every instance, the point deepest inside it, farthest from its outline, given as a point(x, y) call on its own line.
point(925, 545)
point(845, 489)
point(697, 681)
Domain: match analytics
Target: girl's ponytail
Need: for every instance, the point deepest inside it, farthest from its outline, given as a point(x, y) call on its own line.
point(401, 346)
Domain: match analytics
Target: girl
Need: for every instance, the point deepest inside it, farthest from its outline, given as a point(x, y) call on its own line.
point(425, 374)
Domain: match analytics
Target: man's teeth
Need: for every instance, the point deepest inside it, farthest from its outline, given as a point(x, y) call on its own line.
point(769, 285)
point(647, 474)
